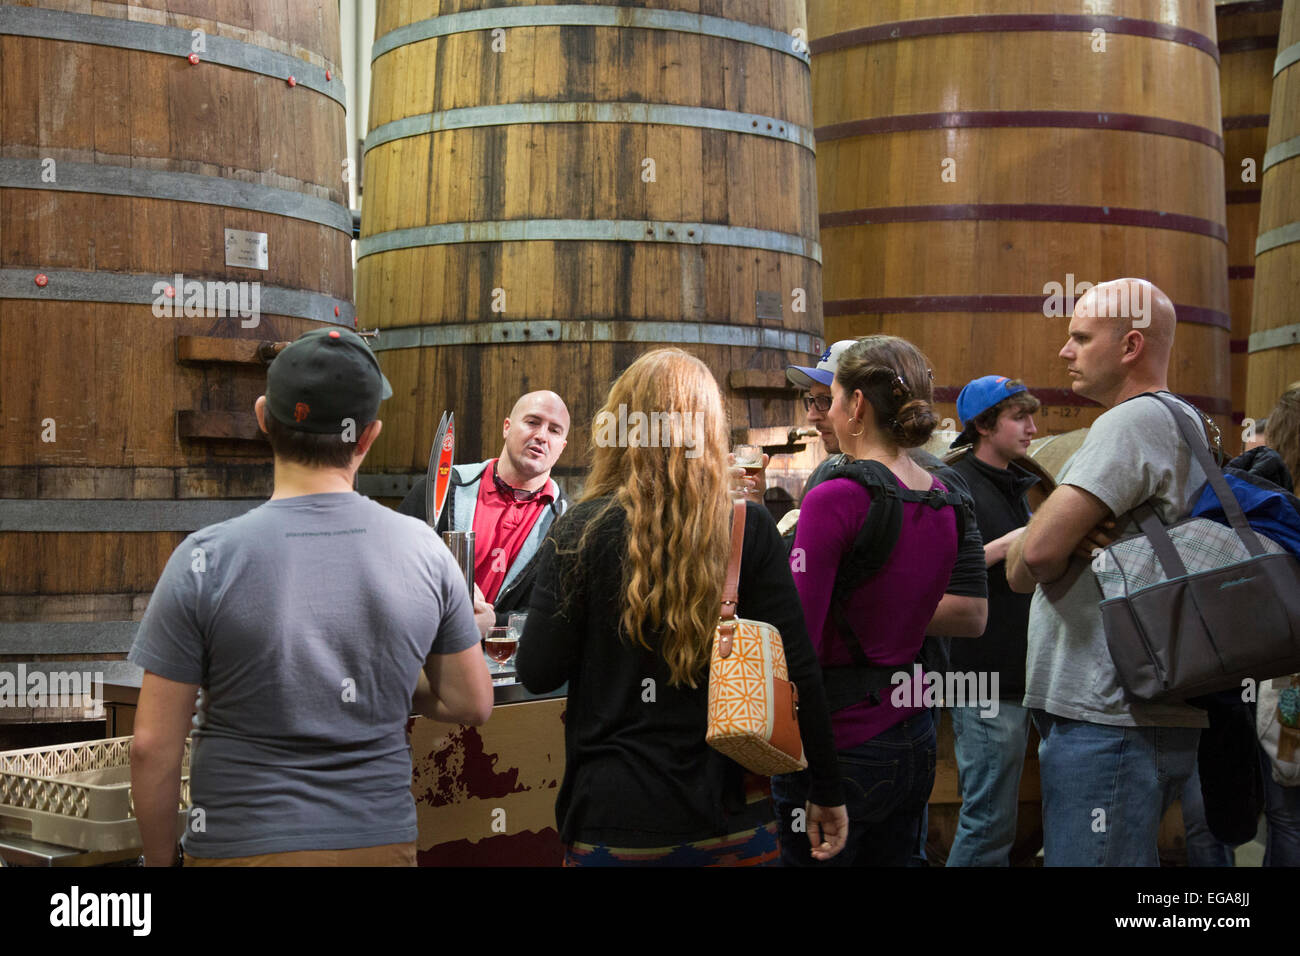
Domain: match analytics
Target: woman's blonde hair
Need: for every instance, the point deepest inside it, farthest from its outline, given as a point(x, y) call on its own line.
point(676, 500)
point(1283, 431)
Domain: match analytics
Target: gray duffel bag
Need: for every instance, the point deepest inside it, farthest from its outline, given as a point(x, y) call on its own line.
point(1198, 606)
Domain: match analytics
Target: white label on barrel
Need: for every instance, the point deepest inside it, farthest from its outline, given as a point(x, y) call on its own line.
point(247, 249)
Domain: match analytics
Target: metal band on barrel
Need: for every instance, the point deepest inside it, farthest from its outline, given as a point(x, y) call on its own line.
point(172, 41)
point(1274, 338)
point(65, 637)
point(100, 514)
point(70, 286)
point(1287, 57)
point(688, 333)
point(1281, 153)
point(589, 230)
point(1014, 23)
point(575, 15)
point(1022, 119)
point(1026, 212)
point(508, 114)
point(109, 180)
point(1194, 314)
point(1275, 238)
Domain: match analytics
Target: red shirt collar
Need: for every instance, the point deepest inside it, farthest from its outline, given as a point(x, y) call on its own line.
point(496, 484)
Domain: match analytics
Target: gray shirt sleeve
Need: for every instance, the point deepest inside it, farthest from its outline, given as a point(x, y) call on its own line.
point(1131, 455)
point(169, 641)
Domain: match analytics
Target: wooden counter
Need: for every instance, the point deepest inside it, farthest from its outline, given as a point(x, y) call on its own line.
point(484, 796)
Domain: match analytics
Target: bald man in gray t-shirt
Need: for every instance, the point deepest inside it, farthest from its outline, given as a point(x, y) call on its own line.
point(1109, 766)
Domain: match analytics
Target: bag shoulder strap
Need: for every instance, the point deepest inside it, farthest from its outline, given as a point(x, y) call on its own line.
point(731, 589)
point(1227, 500)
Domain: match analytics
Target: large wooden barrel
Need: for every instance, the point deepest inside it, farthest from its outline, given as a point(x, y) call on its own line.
point(973, 159)
point(1275, 330)
point(552, 190)
point(1247, 47)
point(129, 166)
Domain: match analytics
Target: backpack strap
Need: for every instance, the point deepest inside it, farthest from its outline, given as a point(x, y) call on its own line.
point(874, 545)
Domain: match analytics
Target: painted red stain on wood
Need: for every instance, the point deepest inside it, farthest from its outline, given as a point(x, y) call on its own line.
point(464, 771)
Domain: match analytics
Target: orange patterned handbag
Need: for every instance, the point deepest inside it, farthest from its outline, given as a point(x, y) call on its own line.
point(753, 706)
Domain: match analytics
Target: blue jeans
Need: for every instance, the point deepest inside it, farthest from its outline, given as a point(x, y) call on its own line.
point(1106, 788)
point(1203, 847)
point(887, 781)
point(1282, 811)
point(990, 758)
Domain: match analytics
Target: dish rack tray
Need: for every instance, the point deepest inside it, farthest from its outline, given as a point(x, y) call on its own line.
point(77, 795)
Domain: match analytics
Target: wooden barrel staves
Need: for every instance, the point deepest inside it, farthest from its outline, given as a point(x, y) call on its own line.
point(552, 190)
point(172, 194)
point(1274, 346)
point(973, 170)
point(1248, 32)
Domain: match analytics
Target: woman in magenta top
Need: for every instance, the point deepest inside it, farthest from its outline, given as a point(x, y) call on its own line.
point(880, 408)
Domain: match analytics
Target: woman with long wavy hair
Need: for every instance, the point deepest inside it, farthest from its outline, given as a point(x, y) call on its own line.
point(628, 592)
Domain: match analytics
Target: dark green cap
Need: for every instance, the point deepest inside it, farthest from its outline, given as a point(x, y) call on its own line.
point(322, 379)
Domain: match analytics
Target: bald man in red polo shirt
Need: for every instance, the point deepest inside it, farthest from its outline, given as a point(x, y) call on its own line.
point(509, 502)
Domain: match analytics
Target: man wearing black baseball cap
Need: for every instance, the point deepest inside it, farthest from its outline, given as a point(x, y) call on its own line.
point(314, 624)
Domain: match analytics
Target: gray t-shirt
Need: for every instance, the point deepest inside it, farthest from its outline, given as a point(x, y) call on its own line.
point(1133, 453)
point(306, 622)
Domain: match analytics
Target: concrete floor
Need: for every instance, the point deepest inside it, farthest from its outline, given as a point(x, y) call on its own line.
point(1252, 853)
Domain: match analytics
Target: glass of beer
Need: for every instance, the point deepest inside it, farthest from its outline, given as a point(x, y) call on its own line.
point(500, 645)
point(750, 458)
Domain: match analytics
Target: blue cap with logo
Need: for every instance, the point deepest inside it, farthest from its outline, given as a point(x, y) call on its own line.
point(824, 372)
point(982, 394)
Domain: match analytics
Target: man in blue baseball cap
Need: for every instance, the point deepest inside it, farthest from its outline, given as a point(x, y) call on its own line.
point(997, 415)
point(985, 399)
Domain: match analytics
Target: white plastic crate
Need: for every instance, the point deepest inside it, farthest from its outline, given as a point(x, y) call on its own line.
point(77, 795)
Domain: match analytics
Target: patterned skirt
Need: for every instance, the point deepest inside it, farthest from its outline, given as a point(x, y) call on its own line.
point(751, 842)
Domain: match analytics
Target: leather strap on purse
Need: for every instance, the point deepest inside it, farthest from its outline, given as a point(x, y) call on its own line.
point(730, 590)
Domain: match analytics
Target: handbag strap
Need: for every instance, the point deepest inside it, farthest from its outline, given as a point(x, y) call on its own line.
point(731, 589)
point(1227, 500)
point(1161, 543)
